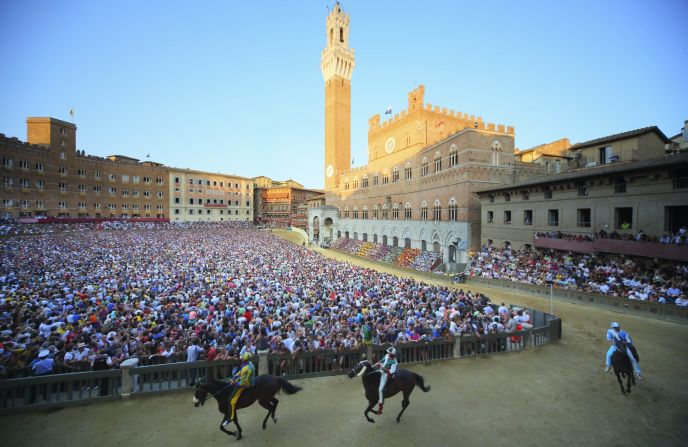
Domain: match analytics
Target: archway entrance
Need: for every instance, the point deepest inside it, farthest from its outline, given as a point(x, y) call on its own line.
point(327, 230)
point(384, 240)
point(452, 253)
point(395, 242)
point(316, 228)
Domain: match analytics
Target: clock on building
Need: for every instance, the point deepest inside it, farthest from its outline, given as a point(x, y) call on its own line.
point(390, 144)
point(330, 170)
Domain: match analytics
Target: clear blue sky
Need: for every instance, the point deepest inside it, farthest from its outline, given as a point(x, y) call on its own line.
point(236, 87)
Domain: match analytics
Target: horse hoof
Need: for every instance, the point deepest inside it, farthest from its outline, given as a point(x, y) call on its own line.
point(372, 421)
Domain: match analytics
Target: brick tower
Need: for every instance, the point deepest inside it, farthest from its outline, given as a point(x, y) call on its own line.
point(337, 64)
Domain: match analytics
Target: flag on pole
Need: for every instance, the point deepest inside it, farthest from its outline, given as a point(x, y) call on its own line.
point(388, 111)
point(71, 113)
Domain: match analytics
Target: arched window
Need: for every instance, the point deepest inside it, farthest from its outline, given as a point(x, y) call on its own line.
point(395, 211)
point(375, 216)
point(407, 211)
point(424, 211)
point(385, 211)
point(453, 214)
point(364, 212)
point(453, 156)
point(407, 171)
point(395, 174)
point(331, 35)
point(355, 213)
point(437, 211)
point(355, 185)
point(438, 162)
point(341, 35)
point(376, 178)
point(408, 140)
point(364, 181)
point(424, 167)
point(346, 212)
point(385, 177)
point(346, 183)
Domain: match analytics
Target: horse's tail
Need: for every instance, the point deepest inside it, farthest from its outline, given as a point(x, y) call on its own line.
point(287, 387)
point(421, 383)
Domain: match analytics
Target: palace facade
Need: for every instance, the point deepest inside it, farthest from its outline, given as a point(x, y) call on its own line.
point(424, 164)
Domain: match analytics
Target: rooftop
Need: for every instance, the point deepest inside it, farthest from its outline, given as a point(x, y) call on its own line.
point(596, 171)
point(621, 136)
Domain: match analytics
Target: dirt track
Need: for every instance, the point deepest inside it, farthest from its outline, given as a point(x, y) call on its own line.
point(557, 394)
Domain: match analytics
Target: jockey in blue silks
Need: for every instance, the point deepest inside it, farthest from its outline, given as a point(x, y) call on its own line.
point(615, 334)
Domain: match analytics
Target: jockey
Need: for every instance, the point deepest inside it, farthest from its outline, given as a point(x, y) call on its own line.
point(243, 379)
point(387, 368)
point(615, 334)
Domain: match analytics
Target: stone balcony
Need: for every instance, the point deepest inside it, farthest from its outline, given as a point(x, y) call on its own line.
point(632, 248)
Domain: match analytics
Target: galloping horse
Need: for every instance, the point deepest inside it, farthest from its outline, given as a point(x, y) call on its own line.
point(263, 391)
point(622, 365)
point(404, 381)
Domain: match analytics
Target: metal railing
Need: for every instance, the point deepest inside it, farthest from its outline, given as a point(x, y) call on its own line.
point(314, 363)
point(57, 390)
point(60, 389)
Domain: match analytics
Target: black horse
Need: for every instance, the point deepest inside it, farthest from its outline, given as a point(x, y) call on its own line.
point(404, 381)
point(623, 366)
point(263, 391)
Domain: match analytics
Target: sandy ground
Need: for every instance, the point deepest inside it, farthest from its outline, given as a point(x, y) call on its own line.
point(554, 395)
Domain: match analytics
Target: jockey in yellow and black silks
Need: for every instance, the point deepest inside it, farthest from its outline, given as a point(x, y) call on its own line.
point(245, 377)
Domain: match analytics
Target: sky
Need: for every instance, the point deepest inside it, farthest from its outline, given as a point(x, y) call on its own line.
point(235, 86)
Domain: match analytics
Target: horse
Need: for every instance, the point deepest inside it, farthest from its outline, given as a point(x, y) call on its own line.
point(404, 381)
point(263, 391)
point(622, 365)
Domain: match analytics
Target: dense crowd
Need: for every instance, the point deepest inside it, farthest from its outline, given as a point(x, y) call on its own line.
point(634, 278)
point(97, 295)
point(402, 257)
point(679, 237)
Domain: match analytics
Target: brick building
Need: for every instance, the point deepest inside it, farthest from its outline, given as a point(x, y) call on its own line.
point(281, 204)
point(423, 165)
point(626, 180)
point(48, 177)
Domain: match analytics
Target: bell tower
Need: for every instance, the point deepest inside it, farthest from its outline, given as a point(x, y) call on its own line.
point(337, 65)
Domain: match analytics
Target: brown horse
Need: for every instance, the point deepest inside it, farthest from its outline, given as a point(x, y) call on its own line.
point(263, 391)
point(404, 381)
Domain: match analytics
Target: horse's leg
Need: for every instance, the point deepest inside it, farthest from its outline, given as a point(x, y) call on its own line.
point(404, 404)
point(628, 382)
point(371, 404)
point(222, 426)
point(236, 422)
point(618, 377)
point(267, 406)
point(274, 408)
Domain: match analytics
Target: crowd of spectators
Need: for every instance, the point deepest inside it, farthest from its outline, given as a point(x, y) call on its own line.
point(402, 257)
point(680, 237)
point(90, 297)
point(629, 277)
